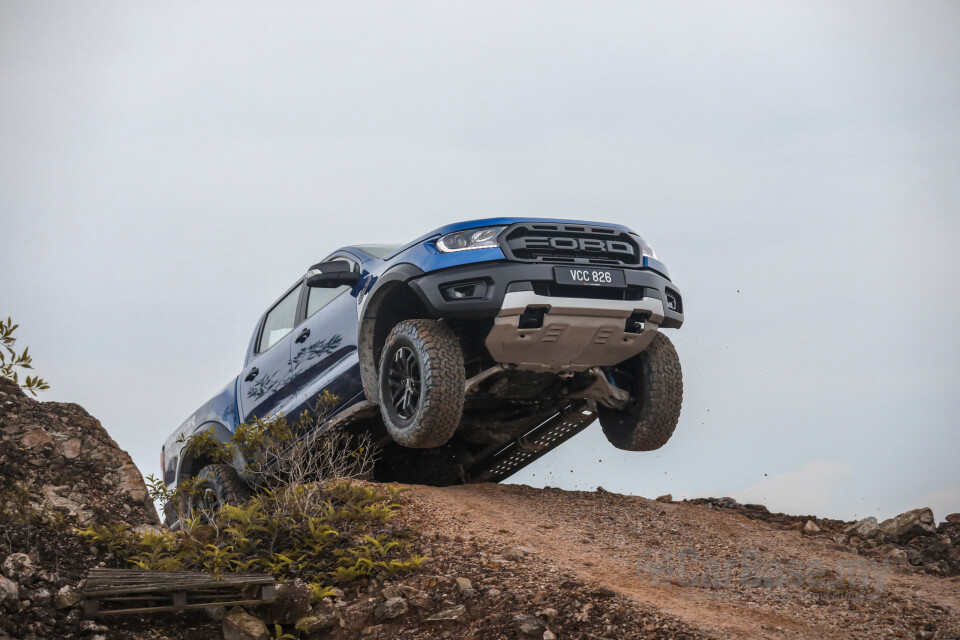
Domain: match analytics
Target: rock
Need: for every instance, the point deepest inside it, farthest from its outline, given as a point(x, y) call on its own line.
point(756, 507)
point(908, 525)
point(865, 529)
point(953, 518)
point(372, 632)
point(449, 614)
point(513, 553)
point(465, 586)
point(390, 592)
point(939, 568)
point(357, 616)
point(549, 614)
point(529, 625)
point(240, 625)
point(66, 597)
point(937, 549)
point(898, 556)
point(417, 598)
point(390, 608)
point(71, 448)
point(18, 566)
point(41, 597)
point(144, 529)
point(811, 528)
point(292, 602)
point(549, 635)
point(68, 462)
point(667, 497)
point(89, 626)
point(493, 593)
point(324, 615)
point(9, 593)
point(727, 503)
point(217, 614)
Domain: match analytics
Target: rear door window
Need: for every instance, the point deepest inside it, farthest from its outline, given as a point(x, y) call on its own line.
point(280, 320)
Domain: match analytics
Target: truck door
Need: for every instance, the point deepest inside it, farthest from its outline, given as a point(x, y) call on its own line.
point(266, 383)
point(325, 344)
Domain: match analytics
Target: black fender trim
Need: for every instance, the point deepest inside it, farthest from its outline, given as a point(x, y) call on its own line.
point(367, 341)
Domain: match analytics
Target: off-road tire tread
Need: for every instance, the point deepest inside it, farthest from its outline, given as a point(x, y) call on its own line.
point(225, 478)
point(648, 424)
point(442, 382)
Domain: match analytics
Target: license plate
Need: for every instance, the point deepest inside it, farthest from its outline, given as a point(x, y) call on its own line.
point(590, 276)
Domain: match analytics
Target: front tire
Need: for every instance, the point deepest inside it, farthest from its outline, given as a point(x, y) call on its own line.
point(655, 382)
point(421, 383)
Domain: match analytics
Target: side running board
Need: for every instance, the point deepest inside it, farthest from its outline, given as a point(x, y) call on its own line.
point(506, 460)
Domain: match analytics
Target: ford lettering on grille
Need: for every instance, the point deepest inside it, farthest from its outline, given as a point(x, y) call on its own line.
point(575, 244)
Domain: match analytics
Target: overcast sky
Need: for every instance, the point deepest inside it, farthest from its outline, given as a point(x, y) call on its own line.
point(167, 169)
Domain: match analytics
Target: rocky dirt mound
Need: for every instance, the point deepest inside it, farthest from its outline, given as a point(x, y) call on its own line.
point(63, 457)
point(716, 570)
point(60, 469)
point(760, 512)
point(909, 538)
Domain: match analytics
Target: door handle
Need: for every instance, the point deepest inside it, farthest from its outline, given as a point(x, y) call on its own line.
point(253, 373)
point(303, 335)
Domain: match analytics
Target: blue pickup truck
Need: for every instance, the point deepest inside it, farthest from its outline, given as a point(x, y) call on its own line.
point(467, 353)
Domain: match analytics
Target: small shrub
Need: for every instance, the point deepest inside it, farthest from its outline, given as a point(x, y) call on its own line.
point(10, 359)
point(308, 517)
point(342, 538)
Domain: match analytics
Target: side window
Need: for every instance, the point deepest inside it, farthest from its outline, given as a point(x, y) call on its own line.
point(280, 320)
point(319, 297)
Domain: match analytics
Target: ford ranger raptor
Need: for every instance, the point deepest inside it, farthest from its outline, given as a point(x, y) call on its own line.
point(466, 354)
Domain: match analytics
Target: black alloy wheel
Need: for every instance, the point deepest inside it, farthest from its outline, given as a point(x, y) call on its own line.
point(405, 382)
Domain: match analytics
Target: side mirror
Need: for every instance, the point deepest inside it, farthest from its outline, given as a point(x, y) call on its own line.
point(332, 274)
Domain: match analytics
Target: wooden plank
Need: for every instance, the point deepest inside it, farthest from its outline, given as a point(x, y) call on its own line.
point(204, 605)
point(135, 591)
point(171, 586)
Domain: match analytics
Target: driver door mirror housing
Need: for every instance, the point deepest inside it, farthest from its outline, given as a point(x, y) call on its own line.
point(334, 273)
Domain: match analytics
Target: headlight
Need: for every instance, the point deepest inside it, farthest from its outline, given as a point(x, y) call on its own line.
point(485, 238)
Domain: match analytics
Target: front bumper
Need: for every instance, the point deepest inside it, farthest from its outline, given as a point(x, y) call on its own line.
point(501, 278)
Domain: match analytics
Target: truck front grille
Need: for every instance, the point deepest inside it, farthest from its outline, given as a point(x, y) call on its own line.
point(570, 244)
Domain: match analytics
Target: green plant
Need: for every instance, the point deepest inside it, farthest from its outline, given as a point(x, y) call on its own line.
point(272, 454)
point(343, 537)
point(22, 360)
point(115, 538)
point(278, 634)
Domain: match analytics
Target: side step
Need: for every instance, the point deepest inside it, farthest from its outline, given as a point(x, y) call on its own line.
point(506, 460)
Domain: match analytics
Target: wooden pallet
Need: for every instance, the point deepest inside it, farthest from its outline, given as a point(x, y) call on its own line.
point(118, 591)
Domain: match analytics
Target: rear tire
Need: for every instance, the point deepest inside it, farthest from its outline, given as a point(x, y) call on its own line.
point(421, 383)
point(217, 485)
point(655, 382)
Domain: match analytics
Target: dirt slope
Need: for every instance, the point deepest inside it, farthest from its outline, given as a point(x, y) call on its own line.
point(738, 577)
